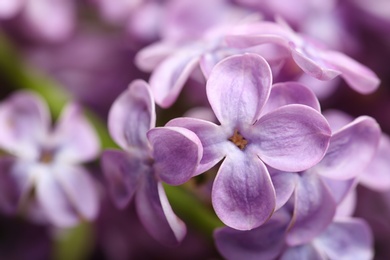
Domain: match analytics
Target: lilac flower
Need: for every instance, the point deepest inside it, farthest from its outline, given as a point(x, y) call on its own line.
point(291, 138)
point(310, 56)
point(45, 161)
point(151, 155)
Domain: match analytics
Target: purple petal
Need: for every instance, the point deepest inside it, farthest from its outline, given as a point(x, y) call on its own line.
point(291, 138)
point(11, 187)
point(340, 188)
point(287, 93)
point(337, 119)
point(212, 137)
point(358, 76)
point(10, 8)
point(314, 209)
point(176, 152)
point(151, 56)
point(351, 149)
point(243, 196)
point(348, 205)
point(304, 252)
point(80, 190)
point(376, 175)
point(210, 59)
point(76, 137)
point(122, 172)
point(156, 214)
point(347, 239)
point(284, 184)
point(134, 105)
point(169, 77)
point(24, 123)
point(265, 242)
point(238, 88)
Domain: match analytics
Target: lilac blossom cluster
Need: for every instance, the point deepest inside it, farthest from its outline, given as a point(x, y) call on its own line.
point(221, 101)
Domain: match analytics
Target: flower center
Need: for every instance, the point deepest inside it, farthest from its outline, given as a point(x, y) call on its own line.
point(238, 140)
point(46, 156)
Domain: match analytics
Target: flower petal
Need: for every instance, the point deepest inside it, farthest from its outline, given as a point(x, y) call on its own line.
point(24, 123)
point(351, 149)
point(243, 196)
point(176, 152)
point(10, 8)
point(347, 239)
point(152, 55)
point(314, 209)
point(169, 77)
point(287, 93)
point(156, 214)
point(304, 252)
point(291, 138)
point(284, 184)
point(122, 172)
point(75, 137)
point(337, 119)
point(340, 188)
point(80, 189)
point(212, 137)
point(11, 185)
point(238, 88)
point(265, 242)
point(132, 115)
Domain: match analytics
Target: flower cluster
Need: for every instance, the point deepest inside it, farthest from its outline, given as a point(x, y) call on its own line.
point(239, 120)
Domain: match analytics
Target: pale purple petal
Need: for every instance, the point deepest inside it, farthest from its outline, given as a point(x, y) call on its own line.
point(212, 137)
point(9, 8)
point(265, 242)
point(243, 196)
point(314, 209)
point(11, 188)
point(337, 119)
point(347, 239)
point(132, 115)
point(169, 77)
point(238, 88)
point(75, 137)
point(54, 200)
point(377, 174)
point(340, 188)
point(287, 93)
point(358, 76)
point(351, 149)
point(284, 184)
point(156, 214)
point(291, 138)
point(122, 172)
point(347, 206)
point(322, 89)
point(176, 152)
point(24, 123)
point(80, 189)
point(151, 56)
point(304, 252)
point(210, 59)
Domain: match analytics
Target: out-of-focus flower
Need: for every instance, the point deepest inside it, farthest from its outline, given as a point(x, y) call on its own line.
point(250, 136)
point(45, 162)
point(151, 155)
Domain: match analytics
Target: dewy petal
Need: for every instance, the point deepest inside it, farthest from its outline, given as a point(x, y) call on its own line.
point(24, 123)
point(347, 239)
point(377, 175)
point(132, 115)
point(79, 188)
point(212, 137)
point(54, 201)
point(243, 196)
point(284, 184)
point(358, 76)
point(265, 242)
point(177, 152)
point(314, 209)
point(238, 88)
point(351, 149)
point(75, 137)
point(291, 138)
point(304, 252)
point(156, 214)
point(169, 77)
point(287, 93)
point(122, 172)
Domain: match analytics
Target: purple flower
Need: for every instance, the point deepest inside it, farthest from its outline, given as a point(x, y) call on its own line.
point(151, 155)
point(310, 56)
point(45, 161)
point(251, 135)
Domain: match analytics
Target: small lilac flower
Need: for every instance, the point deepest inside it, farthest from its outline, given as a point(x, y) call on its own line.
point(310, 56)
point(151, 155)
point(45, 162)
point(291, 138)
